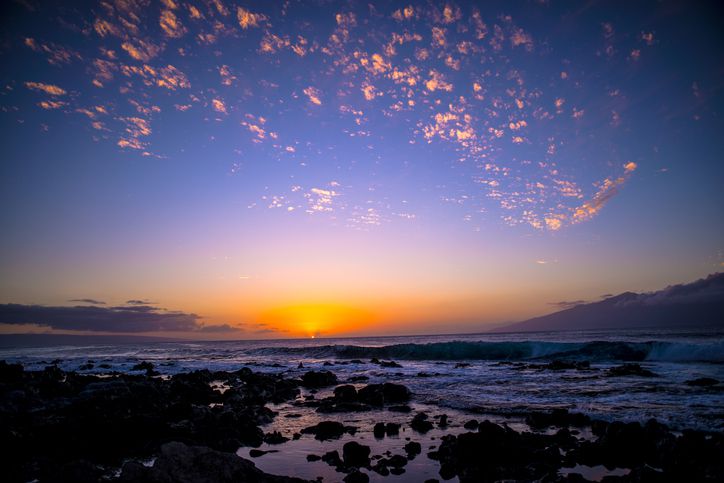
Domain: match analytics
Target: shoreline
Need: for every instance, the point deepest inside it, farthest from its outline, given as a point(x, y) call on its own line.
point(240, 425)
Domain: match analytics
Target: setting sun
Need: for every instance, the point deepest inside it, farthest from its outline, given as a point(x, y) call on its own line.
point(315, 319)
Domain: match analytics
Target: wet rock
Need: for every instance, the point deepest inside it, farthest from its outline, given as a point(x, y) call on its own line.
point(558, 418)
point(497, 453)
point(413, 449)
point(346, 393)
point(255, 453)
point(379, 430)
point(275, 438)
point(702, 382)
point(392, 429)
point(461, 365)
point(332, 458)
point(313, 457)
point(471, 425)
point(317, 379)
point(355, 454)
point(629, 369)
point(387, 393)
point(327, 364)
point(420, 423)
point(356, 477)
point(381, 467)
point(391, 364)
point(358, 378)
point(401, 408)
point(443, 421)
point(328, 430)
point(179, 462)
point(145, 366)
point(10, 373)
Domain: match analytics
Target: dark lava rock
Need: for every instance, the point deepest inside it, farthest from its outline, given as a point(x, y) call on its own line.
point(420, 423)
point(358, 378)
point(346, 393)
point(379, 430)
point(413, 449)
point(472, 425)
point(181, 463)
point(313, 457)
point(75, 421)
point(391, 364)
point(275, 438)
point(402, 408)
point(143, 366)
point(443, 421)
point(461, 365)
point(497, 453)
point(397, 471)
point(356, 454)
point(316, 379)
point(629, 369)
point(703, 381)
point(10, 373)
point(392, 429)
point(558, 418)
point(356, 477)
point(255, 453)
point(381, 467)
point(328, 430)
point(387, 393)
point(332, 458)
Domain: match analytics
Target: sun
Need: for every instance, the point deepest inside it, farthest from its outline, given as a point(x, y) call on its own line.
point(314, 320)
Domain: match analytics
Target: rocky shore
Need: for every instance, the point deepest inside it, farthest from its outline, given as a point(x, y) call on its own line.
point(63, 426)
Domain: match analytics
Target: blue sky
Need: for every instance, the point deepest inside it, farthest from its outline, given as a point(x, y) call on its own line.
point(431, 164)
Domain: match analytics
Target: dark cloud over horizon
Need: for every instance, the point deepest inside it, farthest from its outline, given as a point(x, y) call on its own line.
point(128, 319)
point(88, 301)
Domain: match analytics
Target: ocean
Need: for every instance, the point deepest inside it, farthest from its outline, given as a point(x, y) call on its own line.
point(489, 374)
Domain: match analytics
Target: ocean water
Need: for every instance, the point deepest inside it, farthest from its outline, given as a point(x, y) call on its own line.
point(491, 382)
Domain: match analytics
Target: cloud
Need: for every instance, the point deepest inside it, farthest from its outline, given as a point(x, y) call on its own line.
point(51, 89)
point(138, 302)
point(248, 19)
point(123, 319)
point(88, 301)
point(218, 105)
point(608, 189)
point(170, 24)
point(313, 95)
point(141, 50)
point(566, 304)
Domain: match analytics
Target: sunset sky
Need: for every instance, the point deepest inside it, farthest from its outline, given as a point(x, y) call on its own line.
point(225, 169)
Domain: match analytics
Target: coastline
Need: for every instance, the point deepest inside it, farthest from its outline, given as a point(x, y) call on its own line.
point(68, 426)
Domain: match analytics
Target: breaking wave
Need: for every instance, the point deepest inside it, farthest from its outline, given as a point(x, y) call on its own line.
point(511, 351)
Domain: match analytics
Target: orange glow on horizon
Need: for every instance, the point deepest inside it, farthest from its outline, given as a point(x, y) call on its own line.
point(316, 319)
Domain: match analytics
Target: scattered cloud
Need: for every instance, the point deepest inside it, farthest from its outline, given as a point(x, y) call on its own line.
point(313, 95)
point(121, 319)
point(51, 89)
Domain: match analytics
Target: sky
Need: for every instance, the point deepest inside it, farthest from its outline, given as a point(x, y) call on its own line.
point(226, 169)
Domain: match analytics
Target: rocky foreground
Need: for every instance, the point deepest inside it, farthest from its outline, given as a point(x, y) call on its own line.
point(66, 426)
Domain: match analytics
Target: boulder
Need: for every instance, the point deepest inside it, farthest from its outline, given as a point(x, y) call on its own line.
point(317, 379)
point(355, 454)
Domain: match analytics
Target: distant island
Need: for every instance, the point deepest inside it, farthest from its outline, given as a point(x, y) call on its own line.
point(695, 304)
